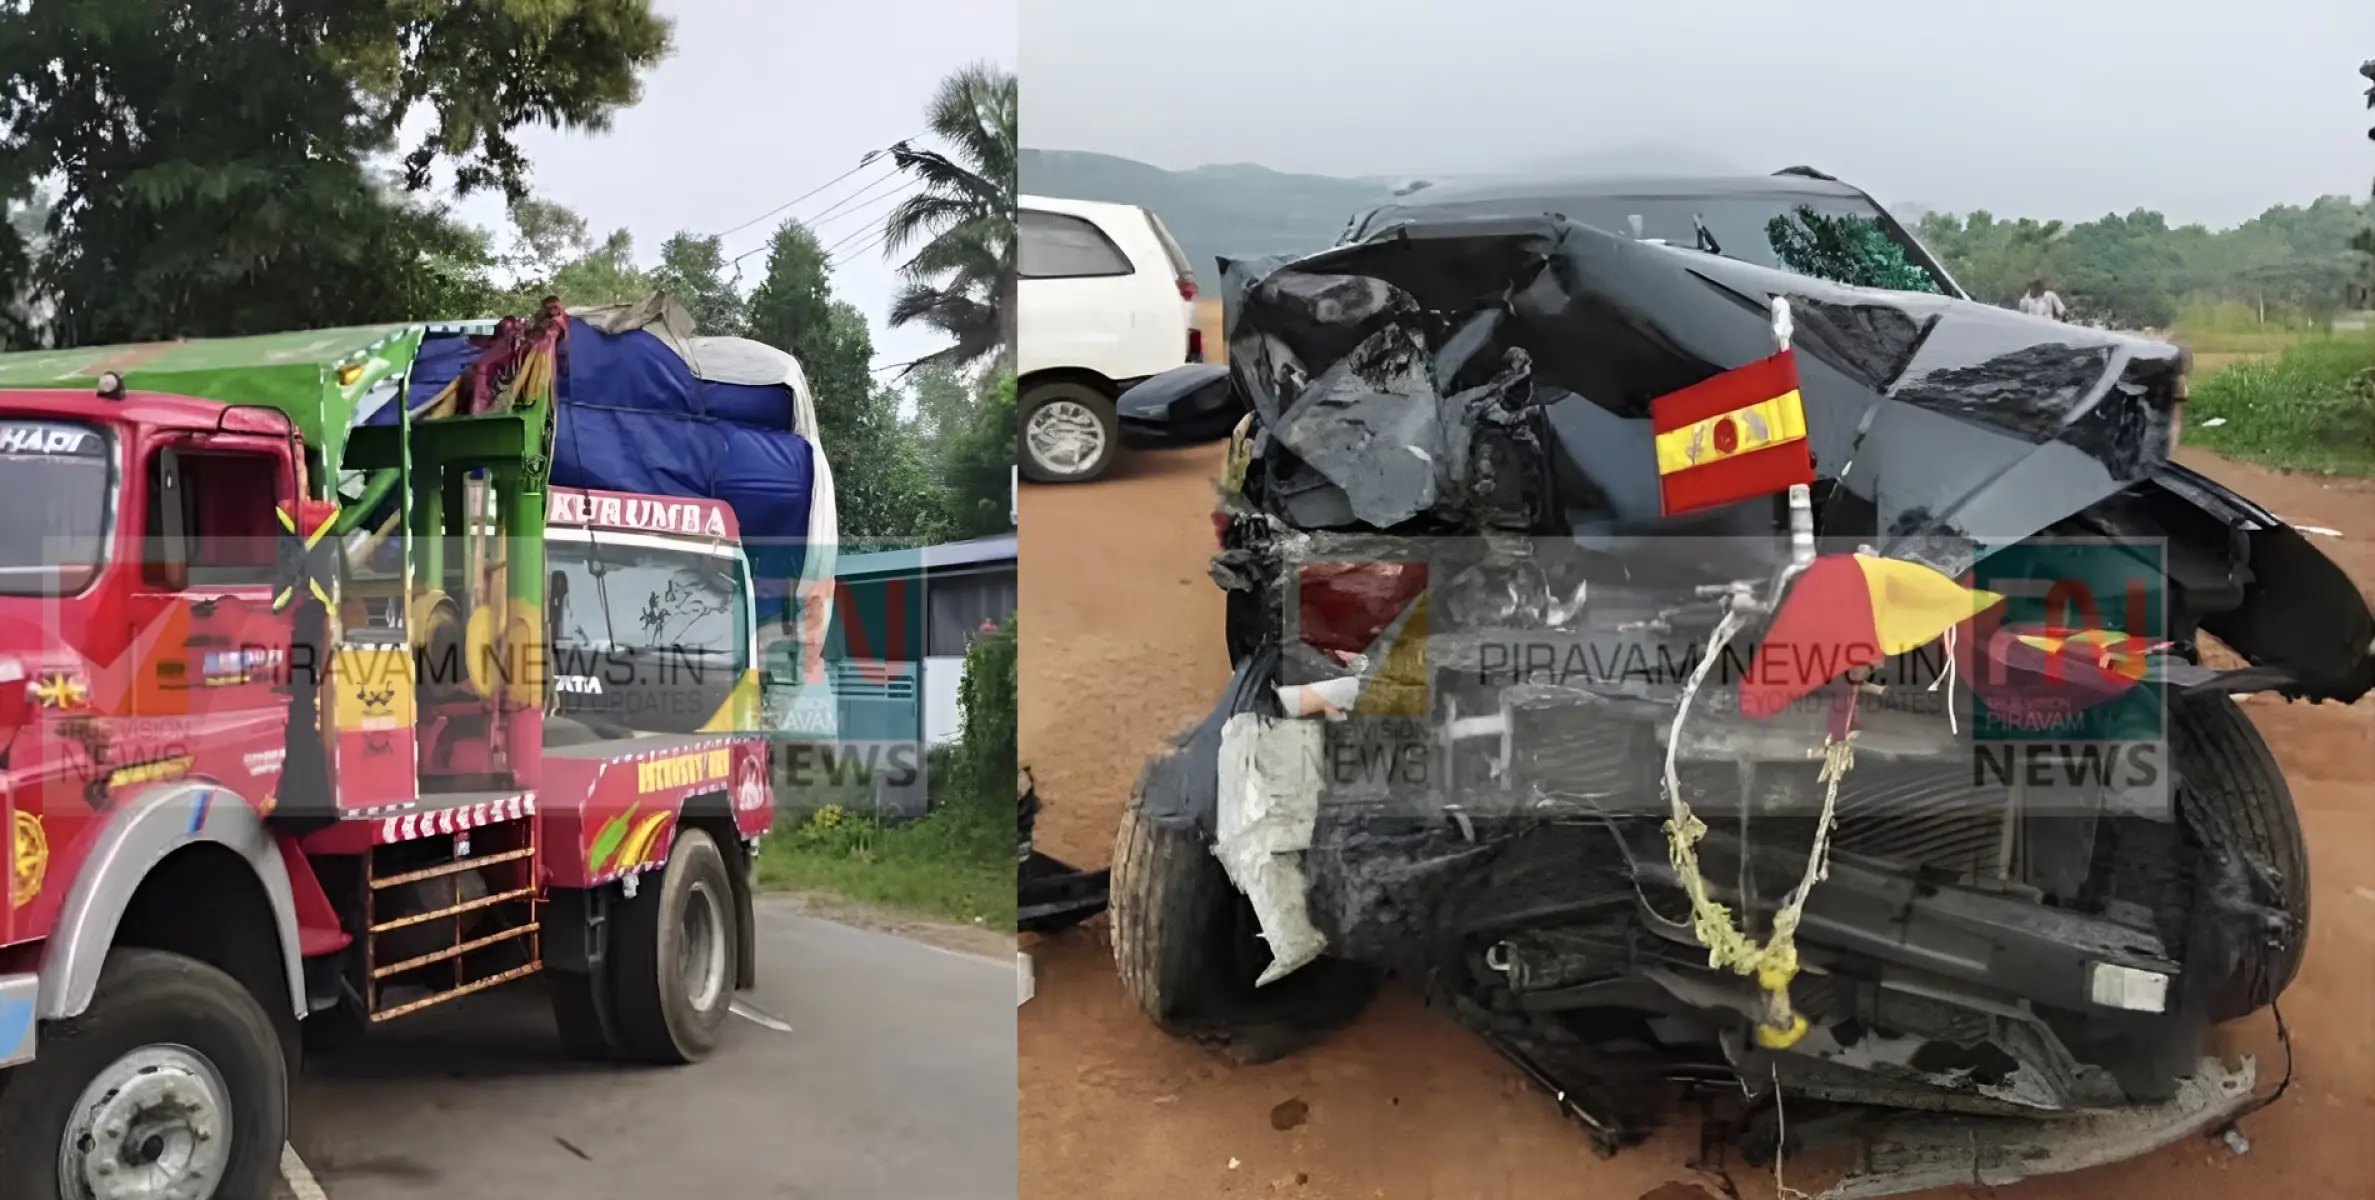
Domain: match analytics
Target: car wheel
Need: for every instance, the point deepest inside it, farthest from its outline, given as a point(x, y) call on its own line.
point(2248, 806)
point(1069, 432)
point(675, 957)
point(174, 1082)
point(1187, 948)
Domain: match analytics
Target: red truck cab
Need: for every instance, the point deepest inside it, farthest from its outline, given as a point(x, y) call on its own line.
point(256, 787)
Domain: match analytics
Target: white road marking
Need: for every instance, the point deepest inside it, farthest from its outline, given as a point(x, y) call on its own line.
point(751, 1013)
point(301, 1180)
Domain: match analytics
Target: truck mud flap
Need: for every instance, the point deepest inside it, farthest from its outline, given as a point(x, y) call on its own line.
point(1916, 1153)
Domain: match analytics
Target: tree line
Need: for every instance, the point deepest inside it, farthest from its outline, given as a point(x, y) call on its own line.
point(2290, 264)
point(252, 172)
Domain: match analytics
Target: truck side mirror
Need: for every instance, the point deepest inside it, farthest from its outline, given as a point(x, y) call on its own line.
point(168, 558)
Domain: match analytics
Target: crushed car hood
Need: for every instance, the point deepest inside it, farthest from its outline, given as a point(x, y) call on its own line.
point(1939, 421)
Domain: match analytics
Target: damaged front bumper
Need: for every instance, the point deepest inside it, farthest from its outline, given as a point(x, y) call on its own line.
point(1908, 1154)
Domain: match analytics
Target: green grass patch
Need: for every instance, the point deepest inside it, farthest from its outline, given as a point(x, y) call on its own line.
point(2260, 341)
point(2310, 408)
point(2233, 328)
point(957, 864)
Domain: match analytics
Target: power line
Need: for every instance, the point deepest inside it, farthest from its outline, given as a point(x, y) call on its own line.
point(863, 163)
point(865, 200)
point(872, 235)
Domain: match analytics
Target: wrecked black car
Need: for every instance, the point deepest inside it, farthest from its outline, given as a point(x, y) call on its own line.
point(1682, 670)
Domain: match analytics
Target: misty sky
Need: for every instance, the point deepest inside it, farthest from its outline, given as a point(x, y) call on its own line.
point(761, 102)
point(2208, 110)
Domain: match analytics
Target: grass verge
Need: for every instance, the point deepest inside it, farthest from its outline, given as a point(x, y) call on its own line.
point(2311, 407)
point(956, 864)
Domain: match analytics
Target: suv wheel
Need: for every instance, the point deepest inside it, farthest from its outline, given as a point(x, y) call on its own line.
point(2248, 806)
point(1069, 432)
point(1188, 950)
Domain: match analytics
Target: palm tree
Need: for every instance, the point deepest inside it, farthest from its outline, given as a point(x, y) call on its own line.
point(961, 282)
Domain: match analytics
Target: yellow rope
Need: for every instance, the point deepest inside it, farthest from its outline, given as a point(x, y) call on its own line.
point(1774, 964)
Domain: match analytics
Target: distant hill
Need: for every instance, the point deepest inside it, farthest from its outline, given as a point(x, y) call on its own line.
point(1239, 209)
point(1243, 210)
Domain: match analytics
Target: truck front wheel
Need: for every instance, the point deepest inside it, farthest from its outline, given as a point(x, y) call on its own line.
point(674, 956)
point(172, 1083)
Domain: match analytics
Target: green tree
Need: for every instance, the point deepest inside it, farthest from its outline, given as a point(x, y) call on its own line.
point(554, 254)
point(883, 487)
point(944, 403)
point(212, 156)
point(694, 270)
point(962, 281)
point(977, 467)
point(1995, 260)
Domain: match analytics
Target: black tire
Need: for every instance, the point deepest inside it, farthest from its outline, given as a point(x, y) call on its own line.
point(577, 1010)
point(1099, 405)
point(151, 998)
point(660, 1019)
point(1184, 941)
point(2248, 806)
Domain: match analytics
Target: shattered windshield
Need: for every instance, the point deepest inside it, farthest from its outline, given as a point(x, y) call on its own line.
point(54, 489)
point(1840, 239)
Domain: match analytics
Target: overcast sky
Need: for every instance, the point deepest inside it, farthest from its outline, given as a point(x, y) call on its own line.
point(761, 102)
point(2208, 110)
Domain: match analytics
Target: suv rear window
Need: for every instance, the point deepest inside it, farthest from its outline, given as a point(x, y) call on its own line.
point(1055, 246)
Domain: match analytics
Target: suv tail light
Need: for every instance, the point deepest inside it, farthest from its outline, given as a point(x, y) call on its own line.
point(1187, 287)
point(1195, 345)
point(1344, 606)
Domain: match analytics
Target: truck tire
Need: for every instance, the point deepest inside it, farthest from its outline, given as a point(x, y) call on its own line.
point(2247, 805)
point(1069, 416)
point(1186, 945)
point(174, 1066)
point(577, 1009)
point(673, 957)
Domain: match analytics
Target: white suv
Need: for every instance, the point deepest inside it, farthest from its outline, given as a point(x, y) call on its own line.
point(1106, 299)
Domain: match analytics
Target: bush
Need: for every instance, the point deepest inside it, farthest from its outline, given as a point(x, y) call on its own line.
point(987, 702)
point(2309, 408)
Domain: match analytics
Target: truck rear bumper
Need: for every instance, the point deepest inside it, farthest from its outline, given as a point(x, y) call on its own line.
point(18, 995)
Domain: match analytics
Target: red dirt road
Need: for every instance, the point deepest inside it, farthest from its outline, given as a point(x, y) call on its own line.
point(1123, 647)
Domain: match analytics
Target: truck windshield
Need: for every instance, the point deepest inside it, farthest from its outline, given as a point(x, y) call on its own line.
point(54, 479)
point(644, 634)
point(629, 596)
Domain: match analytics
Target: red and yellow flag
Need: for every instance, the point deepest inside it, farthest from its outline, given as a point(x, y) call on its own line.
point(1735, 437)
point(1852, 610)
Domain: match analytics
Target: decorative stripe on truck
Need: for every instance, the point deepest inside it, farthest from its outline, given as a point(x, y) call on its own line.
point(639, 838)
point(461, 818)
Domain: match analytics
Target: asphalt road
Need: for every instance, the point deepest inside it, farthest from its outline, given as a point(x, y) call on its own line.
point(897, 1079)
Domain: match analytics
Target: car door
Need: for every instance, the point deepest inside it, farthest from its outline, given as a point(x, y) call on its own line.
point(1078, 306)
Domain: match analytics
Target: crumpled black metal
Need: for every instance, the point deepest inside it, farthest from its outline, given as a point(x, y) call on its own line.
point(1941, 421)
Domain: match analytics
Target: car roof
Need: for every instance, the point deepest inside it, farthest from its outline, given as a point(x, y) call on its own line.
point(1522, 187)
point(1091, 209)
